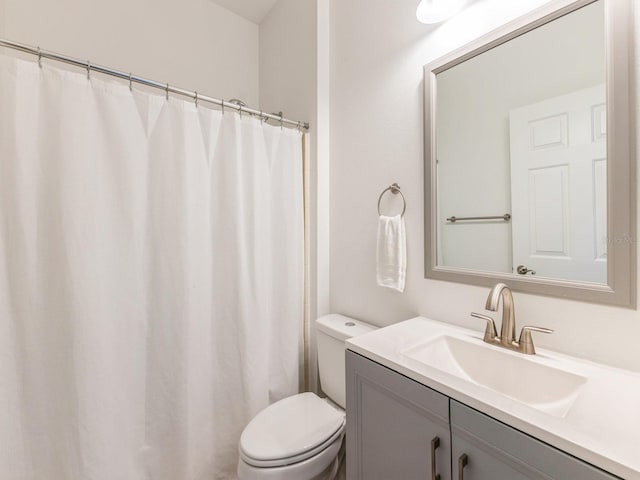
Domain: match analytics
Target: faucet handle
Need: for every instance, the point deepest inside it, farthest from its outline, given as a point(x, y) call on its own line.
point(526, 342)
point(490, 333)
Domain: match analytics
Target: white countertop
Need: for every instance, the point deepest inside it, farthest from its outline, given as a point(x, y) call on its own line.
point(602, 427)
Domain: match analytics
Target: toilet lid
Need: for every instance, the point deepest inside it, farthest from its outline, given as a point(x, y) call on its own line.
point(290, 427)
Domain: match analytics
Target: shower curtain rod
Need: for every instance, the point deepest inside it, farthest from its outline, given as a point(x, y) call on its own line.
point(150, 83)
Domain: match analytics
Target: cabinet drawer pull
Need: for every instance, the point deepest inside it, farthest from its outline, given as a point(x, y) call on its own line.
point(435, 443)
point(462, 462)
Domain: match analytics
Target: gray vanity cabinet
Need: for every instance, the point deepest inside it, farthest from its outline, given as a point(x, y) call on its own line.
point(392, 420)
point(494, 450)
point(396, 427)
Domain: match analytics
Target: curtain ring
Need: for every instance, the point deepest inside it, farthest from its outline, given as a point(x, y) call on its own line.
point(39, 57)
point(261, 117)
point(281, 120)
point(240, 110)
point(167, 92)
point(88, 69)
point(299, 128)
point(196, 99)
point(222, 107)
point(130, 82)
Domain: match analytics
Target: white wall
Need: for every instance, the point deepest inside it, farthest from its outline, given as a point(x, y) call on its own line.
point(192, 44)
point(2, 16)
point(288, 69)
point(378, 50)
point(294, 78)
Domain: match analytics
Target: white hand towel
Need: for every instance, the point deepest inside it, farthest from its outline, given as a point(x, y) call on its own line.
point(391, 256)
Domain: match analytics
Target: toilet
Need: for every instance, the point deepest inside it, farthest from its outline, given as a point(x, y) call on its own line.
point(300, 437)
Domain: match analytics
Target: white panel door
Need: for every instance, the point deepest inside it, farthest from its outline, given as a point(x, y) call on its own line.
point(558, 186)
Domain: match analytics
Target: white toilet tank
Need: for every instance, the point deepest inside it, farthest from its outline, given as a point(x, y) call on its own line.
point(331, 333)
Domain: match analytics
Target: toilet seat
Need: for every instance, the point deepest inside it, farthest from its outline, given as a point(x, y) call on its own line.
point(291, 431)
point(281, 462)
point(318, 467)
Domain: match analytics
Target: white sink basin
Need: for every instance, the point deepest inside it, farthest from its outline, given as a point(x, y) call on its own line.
point(514, 375)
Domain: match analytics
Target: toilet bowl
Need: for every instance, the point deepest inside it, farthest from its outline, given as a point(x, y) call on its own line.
point(296, 438)
point(300, 437)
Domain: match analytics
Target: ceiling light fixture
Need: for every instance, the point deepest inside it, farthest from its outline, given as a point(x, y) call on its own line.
point(436, 11)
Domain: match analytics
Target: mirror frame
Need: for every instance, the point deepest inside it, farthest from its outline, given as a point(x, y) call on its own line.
point(620, 289)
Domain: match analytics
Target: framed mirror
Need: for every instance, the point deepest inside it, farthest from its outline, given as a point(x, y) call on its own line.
point(530, 156)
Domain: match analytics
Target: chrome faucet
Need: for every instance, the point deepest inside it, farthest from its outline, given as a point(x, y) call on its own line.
point(508, 327)
point(507, 338)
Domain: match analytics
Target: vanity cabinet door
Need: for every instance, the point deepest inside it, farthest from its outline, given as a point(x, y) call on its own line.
point(494, 450)
point(393, 423)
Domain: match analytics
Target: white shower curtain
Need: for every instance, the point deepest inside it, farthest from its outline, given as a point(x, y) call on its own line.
point(151, 279)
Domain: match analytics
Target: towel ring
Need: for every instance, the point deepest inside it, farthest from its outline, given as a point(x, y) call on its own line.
point(395, 189)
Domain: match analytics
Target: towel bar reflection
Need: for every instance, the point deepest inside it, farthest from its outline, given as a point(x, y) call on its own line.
point(395, 189)
point(506, 217)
